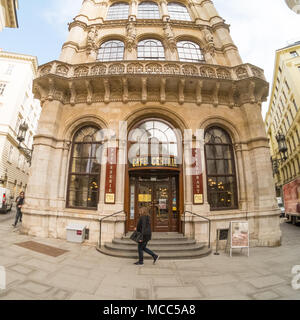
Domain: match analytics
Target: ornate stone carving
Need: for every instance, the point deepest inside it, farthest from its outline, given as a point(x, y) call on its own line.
point(190, 70)
point(241, 72)
point(210, 44)
point(117, 68)
point(98, 70)
point(171, 69)
point(92, 40)
point(170, 37)
point(131, 36)
point(62, 70)
point(81, 72)
point(135, 68)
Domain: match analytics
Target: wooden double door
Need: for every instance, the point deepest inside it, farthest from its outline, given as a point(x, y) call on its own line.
point(158, 195)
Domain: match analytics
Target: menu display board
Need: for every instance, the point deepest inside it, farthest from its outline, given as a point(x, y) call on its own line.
point(111, 176)
point(197, 177)
point(239, 235)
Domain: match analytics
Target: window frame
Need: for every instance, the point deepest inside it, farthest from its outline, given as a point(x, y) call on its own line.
point(233, 175)
point(81, 174)
point(109, 50)
point(150, 58)
point(147, 13)
point(121, 10)
point(184, 59)
point(179, 5)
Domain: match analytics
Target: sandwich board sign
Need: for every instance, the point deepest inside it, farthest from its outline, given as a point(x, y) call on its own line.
point(238, 235)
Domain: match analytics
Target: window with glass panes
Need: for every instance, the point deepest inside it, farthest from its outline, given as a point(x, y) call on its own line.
point(148, 10)
point(189, 51)
point(112, 50)
point(2, 88)
point(220, 168)
point(118, 11)
point(84, 172)
point(178, 11)
point(151, 49)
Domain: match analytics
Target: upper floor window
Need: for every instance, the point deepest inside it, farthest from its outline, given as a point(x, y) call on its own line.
point(294, 54)
point(178, 12)
point(112, 50)
point(220, 166)
point(118, 11)
point(2, 88)
point(151, 49)
point(148, 10)
point(9, 70)
point(189, 51)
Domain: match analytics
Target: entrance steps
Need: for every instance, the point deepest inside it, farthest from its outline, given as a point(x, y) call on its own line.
point(168, 245)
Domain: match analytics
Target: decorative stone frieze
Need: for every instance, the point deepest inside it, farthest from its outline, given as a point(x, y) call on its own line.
point(206, 83)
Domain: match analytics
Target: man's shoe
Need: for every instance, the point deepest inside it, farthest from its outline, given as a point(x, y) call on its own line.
point(13, 225)
point(139, 264)
point(155, 259)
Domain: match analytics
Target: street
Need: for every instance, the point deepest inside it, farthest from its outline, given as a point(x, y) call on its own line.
point(84, 273)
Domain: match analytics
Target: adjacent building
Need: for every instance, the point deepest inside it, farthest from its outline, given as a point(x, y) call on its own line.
point(283, 117)
point(293, 5)
point(17, 106)
point(8, 14)
point(159, 89)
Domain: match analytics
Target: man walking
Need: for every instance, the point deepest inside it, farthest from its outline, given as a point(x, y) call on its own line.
point(20, 202)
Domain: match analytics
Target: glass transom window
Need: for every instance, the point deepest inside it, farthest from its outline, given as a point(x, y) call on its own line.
point(178, 12)
point(189, 51)
point(118, 11)
point(151, 49)
point(148, 10)
point(112, 50)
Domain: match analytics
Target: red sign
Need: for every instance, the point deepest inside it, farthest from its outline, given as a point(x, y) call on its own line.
point(197, 177)
point(111, 176)
point(291, 193)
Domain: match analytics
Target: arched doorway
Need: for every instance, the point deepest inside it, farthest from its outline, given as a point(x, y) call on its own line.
point(154, 175)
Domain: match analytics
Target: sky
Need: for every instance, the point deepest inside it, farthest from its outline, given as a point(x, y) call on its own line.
point(258, 28)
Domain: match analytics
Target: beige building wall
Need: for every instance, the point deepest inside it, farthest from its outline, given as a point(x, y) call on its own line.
point(77, 90)
point(17, 105)
point(8, 14)
point(283, 115)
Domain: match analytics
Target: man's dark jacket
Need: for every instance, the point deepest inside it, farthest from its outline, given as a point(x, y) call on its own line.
point(144, 227)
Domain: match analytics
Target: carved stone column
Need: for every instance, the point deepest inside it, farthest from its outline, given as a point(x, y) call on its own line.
point(133, 12)
point(164, 10)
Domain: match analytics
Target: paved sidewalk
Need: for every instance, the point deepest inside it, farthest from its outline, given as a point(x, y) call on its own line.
point(84, 273)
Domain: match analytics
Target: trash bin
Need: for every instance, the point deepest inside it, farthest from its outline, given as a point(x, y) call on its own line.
point(76, 233)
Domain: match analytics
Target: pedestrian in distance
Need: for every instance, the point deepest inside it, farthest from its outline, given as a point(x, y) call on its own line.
point(20, 201)
point(144, 227)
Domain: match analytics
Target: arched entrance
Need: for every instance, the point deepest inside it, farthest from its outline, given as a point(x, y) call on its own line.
point(154, 175)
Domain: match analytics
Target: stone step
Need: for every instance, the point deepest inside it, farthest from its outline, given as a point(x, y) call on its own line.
point(161, 242)
point(188, 254)
point(156, 248)
point(162, 236)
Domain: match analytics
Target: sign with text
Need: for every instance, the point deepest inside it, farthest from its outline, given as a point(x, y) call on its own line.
point(197, 177)
point(239, 235)
point(111, 176)
point(150, 161)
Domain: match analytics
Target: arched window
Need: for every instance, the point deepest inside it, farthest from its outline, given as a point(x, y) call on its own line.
point(189, 51)
point(148, 10)
point(84, 172)
point(151, 49)
point(178, 11)
point(154, 138)
point(112, 50)
point(118, 11)
point(220, 168)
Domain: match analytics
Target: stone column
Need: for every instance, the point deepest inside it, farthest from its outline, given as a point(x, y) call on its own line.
point(164, 10)
point(87, 9)
point(133, 10)
point(76, 38)
point(241, 176)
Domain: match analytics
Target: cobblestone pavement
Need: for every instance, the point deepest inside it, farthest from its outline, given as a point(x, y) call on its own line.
point(84, 273)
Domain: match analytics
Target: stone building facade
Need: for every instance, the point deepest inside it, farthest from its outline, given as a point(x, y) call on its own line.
point(164, 76)
point(17, 106)
point(8, 14)
point(283, 115)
